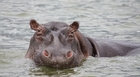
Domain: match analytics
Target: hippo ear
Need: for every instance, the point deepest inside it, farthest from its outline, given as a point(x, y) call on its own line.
point(33, 24)
point(75, 25)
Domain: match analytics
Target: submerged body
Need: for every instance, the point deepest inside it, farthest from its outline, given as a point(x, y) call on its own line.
point(60, 45)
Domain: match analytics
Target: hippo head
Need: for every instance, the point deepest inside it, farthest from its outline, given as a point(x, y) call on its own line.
point(56, 44)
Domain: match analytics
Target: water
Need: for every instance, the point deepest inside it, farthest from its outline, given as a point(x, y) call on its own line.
point(112, 19)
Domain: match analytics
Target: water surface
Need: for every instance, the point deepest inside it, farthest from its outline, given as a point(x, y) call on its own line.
point(111, 19)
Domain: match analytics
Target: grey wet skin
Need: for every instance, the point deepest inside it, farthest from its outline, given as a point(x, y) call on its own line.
point(59, 45)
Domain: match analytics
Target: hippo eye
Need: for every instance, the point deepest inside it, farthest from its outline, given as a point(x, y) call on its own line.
point(39, 33)
point(70, 36)
point(39, 36)
point(38, 30)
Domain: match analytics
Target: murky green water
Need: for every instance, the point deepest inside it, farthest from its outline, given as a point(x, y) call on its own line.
point(112, 19)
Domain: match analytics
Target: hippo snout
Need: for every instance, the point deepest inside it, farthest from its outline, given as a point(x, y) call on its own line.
point(58, 59)
point(66, 55)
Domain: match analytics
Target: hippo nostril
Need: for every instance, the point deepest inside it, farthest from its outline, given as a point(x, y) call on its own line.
point(69, 54)
point(46, 53)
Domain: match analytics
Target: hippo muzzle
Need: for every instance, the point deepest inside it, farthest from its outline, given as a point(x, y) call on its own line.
point(65, 60)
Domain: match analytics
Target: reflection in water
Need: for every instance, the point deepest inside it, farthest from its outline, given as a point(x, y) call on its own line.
point(51, 71)
point(113, 19)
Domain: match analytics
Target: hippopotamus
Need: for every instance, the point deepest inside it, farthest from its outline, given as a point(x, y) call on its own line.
point(59, 45)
